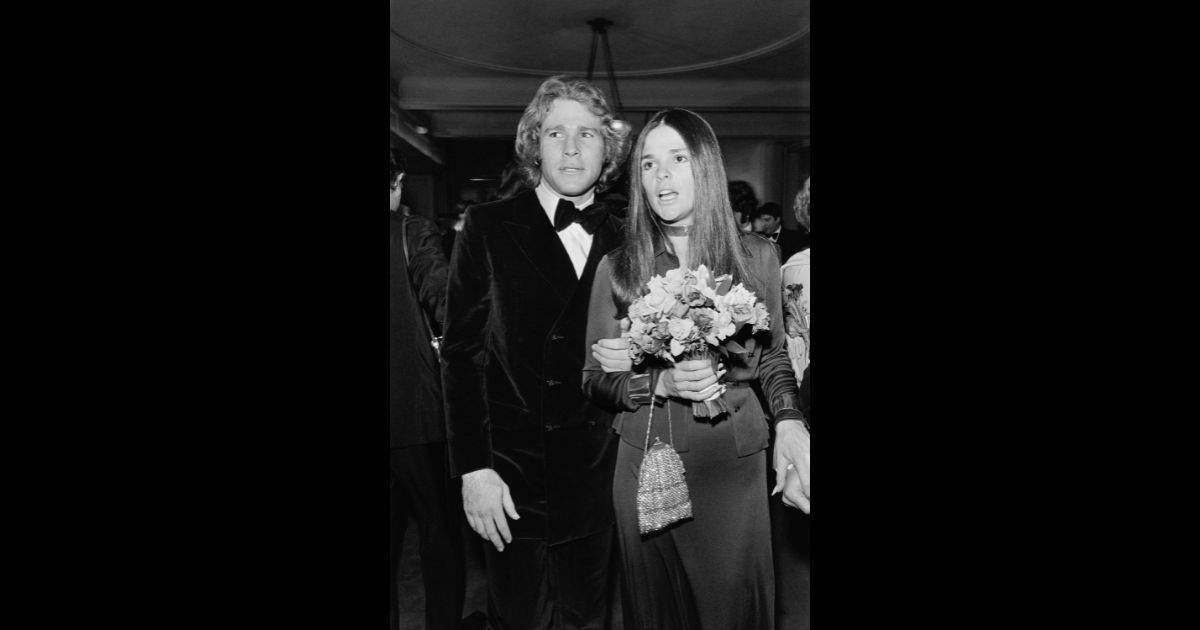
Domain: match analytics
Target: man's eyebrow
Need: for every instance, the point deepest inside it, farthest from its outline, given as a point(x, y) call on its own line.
point(581, 127)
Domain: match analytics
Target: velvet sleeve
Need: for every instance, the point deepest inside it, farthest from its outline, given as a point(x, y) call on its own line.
point(468, 302)
point(775, 374)
point(429, 269)
point(615, 391)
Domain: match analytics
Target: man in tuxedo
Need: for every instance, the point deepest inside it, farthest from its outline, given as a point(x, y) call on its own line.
point(767, 222)
point(536, 458)
point(420, 481)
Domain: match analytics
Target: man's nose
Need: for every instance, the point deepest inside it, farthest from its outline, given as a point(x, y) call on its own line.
point(571, 147)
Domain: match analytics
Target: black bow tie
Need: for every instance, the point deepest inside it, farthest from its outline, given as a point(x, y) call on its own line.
point(590, 217)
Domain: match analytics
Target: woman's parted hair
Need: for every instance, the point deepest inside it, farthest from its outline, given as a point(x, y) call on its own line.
point(528, 143)
point(715, 239)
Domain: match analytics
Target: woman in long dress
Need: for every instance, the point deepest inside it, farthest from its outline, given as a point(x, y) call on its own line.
point(714, 569)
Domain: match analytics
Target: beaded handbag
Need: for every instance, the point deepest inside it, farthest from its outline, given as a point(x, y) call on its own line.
point(662, 494)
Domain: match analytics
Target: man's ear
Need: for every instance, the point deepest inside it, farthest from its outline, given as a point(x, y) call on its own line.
point(398, 181)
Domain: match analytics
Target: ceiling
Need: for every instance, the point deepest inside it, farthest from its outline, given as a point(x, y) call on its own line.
point(467, 68)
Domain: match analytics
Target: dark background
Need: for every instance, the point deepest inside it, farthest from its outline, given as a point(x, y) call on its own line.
point(247, 367)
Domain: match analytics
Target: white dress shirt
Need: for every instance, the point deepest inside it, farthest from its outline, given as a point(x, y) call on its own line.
point(575, 239)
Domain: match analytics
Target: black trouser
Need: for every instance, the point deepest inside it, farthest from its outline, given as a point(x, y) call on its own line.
point(535, 586)
point(421, 487)
point(790, 537)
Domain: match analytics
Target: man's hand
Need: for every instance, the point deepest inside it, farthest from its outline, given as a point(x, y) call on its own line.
point(690, 380)
point(792, 464)
point(485, 500)
point(792, 488)
point(613, 354)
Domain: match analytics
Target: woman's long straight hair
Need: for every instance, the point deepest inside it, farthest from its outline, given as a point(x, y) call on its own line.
point(715, 239)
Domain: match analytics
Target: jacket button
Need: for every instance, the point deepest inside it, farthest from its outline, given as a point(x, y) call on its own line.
point(551, 382)
point(550, 427)
point(556, 337)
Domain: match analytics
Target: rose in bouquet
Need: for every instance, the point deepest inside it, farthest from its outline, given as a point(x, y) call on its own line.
point(688, 314)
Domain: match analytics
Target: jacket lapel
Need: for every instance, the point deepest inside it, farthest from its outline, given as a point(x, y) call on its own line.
point(606, 238)
point(537, 240)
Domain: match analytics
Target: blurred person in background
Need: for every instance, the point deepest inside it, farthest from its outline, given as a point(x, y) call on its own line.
point(744, 202)
point(421, 487)
point(767, 221)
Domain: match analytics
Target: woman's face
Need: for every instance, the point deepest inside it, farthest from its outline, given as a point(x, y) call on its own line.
point(666, 167)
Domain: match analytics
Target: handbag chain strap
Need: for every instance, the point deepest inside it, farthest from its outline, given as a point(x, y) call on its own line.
point(650, 423)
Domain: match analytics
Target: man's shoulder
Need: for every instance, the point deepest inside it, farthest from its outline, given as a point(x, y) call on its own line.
point(501, 209)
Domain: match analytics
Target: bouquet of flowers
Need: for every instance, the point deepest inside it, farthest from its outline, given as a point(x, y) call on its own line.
point(688, 314)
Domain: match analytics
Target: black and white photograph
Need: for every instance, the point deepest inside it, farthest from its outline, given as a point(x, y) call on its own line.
point(600, 319)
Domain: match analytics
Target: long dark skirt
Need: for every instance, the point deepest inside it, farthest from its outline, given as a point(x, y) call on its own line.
point(713, 571)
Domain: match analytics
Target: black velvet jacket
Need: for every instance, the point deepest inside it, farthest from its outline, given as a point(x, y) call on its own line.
point(512, 363)
point(764, 365)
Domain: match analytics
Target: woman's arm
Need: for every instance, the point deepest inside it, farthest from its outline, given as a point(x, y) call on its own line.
point(618, 391)
point(792, 450)
point(774, 367)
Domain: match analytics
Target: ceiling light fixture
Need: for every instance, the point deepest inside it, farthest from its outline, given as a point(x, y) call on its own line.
point(600, 32)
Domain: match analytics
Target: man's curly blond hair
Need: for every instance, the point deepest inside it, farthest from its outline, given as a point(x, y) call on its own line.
point(528, 143)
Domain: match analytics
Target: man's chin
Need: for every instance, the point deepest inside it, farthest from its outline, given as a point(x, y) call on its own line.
point(574, 185)
point(575, 191)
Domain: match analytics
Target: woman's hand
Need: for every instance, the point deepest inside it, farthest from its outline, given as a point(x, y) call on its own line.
point(792, 464)
point(690, 380)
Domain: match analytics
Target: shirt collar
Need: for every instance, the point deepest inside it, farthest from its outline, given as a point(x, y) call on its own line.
point(549, 199)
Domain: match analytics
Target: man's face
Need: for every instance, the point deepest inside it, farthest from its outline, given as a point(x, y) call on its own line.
point(766, 224)
point(572, 149)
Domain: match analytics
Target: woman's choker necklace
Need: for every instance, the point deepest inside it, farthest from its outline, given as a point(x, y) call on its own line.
point(675, 230)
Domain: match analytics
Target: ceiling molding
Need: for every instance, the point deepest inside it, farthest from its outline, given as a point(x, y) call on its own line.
point(699, 93)
point(776, 125)
point(620, 74)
